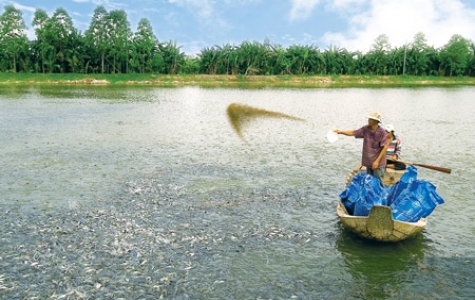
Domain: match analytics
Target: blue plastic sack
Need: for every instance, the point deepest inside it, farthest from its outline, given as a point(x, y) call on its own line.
point(417, 201)
point(363, 192)
point(409, 176)
point(409, 199)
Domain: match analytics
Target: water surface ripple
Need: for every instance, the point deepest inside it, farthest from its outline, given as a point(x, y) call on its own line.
point(142, 193)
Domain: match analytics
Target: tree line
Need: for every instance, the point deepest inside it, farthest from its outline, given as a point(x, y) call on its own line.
point(109, 46)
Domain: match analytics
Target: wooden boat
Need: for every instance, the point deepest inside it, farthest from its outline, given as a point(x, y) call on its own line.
point(379, 225)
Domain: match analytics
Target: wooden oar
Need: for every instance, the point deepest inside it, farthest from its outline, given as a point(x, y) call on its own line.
point(440, 169)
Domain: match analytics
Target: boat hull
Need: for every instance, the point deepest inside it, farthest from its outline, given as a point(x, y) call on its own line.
point(379, 225)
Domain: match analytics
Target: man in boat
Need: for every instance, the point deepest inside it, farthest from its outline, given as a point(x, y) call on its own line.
point(394, 149)
point(375, 144)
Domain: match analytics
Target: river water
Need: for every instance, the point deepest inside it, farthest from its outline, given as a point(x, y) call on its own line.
point(143, 192)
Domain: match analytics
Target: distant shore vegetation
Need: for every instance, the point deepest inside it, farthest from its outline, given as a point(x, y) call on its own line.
point(110, 46)
point(8, 80)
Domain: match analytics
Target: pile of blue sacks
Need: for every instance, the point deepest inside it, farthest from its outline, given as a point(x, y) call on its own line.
point(409, 199)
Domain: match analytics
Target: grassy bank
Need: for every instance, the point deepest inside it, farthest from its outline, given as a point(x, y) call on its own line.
point(236, 81)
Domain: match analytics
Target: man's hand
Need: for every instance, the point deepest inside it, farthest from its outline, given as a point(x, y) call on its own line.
point(375, 165)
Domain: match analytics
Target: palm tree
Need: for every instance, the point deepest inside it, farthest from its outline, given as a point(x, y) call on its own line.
point(360, 64)
point(299, 58)
point(191, 65)
point(334, 64)
point(74, 54)
point(172, 56)
point(433, 65)
point(279, 61)
point(225, 59)
point(209, 60)
point(395, 59)
point(253, 58)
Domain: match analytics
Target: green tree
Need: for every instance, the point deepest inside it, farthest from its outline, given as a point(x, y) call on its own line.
point(454, 56)
point(315, 62)
point(13, 38)
point(121, 40)
point(42, 46)
point(109, 46)
point(209, 59)
point(348, 61)
point(338, 61)
point(333, 62)
point(191, 65)
point(377, 58)
point(74, 53)
point(381, 43)
point(471, 61)
point(433, 65)
point(360, 64)
point(253, 58)
point(172, 56)
point(416, 56)
point(299, 58)
point(279, 62)
point(395, 61)
point(145, 43)
point(158, 63)
point(59, 32)
point(97, 36)
point(232, 59)
point(225, 54)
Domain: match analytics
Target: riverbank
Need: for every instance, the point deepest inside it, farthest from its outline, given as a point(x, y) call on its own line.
point(289, 81)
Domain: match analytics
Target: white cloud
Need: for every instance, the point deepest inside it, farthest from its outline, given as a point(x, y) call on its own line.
point(301, 9)
point(172, 19)
point(346, 4)
point(23, 7)
point(401, 20)
point(204, 8)
point(288, 38)
point(108, 4)
point(209, 19)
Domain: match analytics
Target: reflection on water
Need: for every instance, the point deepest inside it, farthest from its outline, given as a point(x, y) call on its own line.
point(269, 205)
point(380, 269)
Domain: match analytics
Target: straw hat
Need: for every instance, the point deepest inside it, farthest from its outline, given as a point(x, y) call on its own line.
point(375, 116)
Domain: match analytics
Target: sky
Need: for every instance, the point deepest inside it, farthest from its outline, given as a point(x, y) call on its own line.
point(350, 24)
